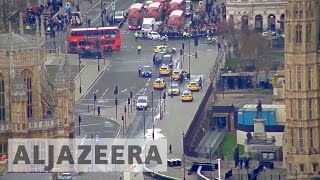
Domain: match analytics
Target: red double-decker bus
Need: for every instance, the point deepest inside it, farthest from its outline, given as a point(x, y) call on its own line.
point(176, 20)
point(177, 5)
point(108, 38)
point(155, 10)
point(135, 16)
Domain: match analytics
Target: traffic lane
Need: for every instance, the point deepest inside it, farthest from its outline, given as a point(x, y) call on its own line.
point(94, 13)
point(95, 125)
point(25, 176)
point(137, 128)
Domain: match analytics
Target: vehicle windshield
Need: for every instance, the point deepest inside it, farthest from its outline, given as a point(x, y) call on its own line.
point(167, 60)
point(164, 68)
point(176, 72)
point(160, 55)
point(119, 14)
point(146, 26)
point(142, 100)
point(175, 86)
point(73, 45)
point(174, 6)
point(146, 69)
point(193, 84)
point(154, 33)
point(173, 28)
point(153, 10)
point(85, 43)
point(174, 19)
point(158, 81)
point(186, 93)
point(134, 12)
point(134, 21)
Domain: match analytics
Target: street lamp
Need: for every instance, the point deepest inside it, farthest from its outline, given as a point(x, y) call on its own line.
point(79, 60)
point(102, 11)
point(171, 84)
point(98, 49)
point(189, 59)
point(152, 114)
point(160, 109)
point(144, 123)
point(184, 160)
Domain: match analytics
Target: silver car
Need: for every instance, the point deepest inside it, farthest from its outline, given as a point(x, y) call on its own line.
point(142, 103)
point(173, 89)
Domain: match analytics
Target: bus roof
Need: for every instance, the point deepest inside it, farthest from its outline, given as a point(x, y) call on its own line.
point(136, 6)
point(176, 1)
point(100, 28)
point(154, 5)
point(176, 13)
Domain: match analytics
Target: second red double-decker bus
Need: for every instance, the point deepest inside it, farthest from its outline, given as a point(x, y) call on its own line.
point(176, 20)
point(108, 39)
point(176, 5)
point(135, 16)
point(155, 10)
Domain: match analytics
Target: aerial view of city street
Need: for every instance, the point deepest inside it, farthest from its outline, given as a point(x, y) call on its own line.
point(232, 86)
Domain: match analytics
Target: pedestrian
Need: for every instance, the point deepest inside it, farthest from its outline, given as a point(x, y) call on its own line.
point(219, 46)
point(139, 49)
point(98, 110)
point(241, 163)
point(181, 77)
point(89, 22)
point(139, 71)
point(154, 59)
point(170, 149)
point(200, 82)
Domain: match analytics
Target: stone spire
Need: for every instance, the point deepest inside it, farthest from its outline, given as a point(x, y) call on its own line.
point(66, 68)
point(42, 28)
point(60, 78)
point(18, 87)
point(21, 23)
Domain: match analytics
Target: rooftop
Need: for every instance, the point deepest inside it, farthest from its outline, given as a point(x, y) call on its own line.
point(17, 41)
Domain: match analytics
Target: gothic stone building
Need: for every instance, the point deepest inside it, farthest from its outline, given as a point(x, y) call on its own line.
point(259, 14)
point(31, 105)
point(302, 89)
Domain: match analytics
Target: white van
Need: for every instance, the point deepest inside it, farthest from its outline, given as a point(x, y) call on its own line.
point(148, 23)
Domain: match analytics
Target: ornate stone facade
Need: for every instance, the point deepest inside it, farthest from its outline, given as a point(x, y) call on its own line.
point(302, 90)
point(259, 14)
point(31, 105)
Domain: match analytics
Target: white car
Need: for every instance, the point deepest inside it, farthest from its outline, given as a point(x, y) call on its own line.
point(142, 103)
point(119, 16)
point(153, 35)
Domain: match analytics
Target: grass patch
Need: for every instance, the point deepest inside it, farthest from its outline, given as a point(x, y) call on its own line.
point(52, 71)
point(229, 143)
point(278, 54)
point(232, 63)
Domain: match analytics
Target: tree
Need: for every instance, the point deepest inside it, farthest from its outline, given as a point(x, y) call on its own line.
point(9, 8)
point(253, 48)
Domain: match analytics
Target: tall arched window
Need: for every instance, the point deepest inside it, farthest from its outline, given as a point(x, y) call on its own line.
point(298, 33)
point(299, 78)
point(309, 78)
point(27, 77)
point(308, 33)
point(289, 33)
point(2, 99)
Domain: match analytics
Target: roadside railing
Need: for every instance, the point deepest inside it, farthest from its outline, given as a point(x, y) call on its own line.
point(188, 146)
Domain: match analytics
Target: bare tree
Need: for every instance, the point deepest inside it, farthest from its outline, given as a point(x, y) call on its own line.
point(253, 48)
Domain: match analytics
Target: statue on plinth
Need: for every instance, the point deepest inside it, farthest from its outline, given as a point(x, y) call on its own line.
point(259, 109)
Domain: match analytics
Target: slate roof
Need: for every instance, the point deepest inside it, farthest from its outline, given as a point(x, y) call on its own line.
point(19, 41)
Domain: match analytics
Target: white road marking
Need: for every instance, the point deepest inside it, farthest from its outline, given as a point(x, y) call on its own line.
point(125, 62)
point(147, 84)
point(124, 90)
point(149, 79)
point(103, 94)
point(105, 8)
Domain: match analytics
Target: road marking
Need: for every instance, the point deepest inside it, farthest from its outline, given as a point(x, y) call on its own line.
point(149, 79)
point(147, 84)
point(97, 91)
point(103, 94)
point(124, 90)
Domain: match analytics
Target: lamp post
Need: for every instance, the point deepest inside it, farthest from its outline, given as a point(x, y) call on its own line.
point(102, 11)
point(219, 170)
point(79, 60)
point(160, 109)
point(152, 114)
point(144, 123)
point(189, 59)
point(98, 49)
point(183, 158)
point(171, 84)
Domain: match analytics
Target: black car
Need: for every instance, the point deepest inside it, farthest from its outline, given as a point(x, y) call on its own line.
point(146, 71)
